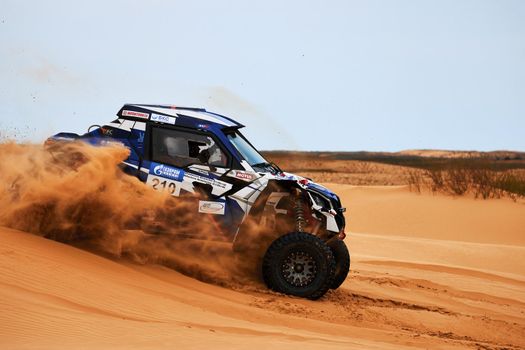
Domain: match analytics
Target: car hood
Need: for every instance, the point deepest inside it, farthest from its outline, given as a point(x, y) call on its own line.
point(307, 184)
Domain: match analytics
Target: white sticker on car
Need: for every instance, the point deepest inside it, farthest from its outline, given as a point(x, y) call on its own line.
point(163, 184)
point(162, 118)
point(208, 207)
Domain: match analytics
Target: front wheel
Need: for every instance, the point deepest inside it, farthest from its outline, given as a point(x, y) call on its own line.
point(299, 264)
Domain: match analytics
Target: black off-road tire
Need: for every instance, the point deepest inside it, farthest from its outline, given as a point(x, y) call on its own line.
point(291, 251)
point(342, 261)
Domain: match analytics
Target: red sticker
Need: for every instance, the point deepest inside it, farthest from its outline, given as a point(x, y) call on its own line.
point(244, 176)
point(126, 113)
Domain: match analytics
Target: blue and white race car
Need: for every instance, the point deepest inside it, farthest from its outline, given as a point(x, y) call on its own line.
point(193, 151)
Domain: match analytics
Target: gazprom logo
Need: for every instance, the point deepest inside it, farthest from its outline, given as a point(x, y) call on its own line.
point(167, 171)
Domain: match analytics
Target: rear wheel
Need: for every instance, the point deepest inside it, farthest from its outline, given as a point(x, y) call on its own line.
point(299, 264)
point(342, 261)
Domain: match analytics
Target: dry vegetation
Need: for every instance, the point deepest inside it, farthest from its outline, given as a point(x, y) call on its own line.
point(484, 175)
point(458, 179)
point(349, 172)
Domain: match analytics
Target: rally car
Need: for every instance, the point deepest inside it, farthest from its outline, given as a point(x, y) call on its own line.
point(190, 150)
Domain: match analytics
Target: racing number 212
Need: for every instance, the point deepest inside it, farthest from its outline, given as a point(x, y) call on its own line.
point(156, 183)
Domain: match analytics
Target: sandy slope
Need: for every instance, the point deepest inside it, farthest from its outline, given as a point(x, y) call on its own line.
point(394, 210)
point(428, 272)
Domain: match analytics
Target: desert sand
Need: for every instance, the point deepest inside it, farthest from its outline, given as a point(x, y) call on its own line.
point(428, 271)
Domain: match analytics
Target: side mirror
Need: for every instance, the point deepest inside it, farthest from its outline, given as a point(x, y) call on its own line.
point(204, 156)
point(93, 127)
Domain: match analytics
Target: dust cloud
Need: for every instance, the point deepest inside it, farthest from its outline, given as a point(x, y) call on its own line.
point(77, 194)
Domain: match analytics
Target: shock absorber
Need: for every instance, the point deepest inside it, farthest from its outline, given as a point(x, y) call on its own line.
point(300, 221)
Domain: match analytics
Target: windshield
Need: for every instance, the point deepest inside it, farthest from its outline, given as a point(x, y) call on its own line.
point(246, 150)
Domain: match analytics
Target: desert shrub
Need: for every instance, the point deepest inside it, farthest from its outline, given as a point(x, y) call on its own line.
point(478, 178)
point(484, 183)
point(363, 167)
point(457, 181)
point(511, 183)
point(415, 180)
point(437, 179)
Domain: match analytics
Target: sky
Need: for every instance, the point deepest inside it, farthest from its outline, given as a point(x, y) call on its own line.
point(301, 75)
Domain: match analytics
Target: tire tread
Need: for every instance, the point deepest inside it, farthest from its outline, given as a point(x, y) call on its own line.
point(297, 237)
point(342, 260)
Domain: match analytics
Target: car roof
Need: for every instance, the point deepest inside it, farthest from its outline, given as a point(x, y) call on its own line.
point(169, 114)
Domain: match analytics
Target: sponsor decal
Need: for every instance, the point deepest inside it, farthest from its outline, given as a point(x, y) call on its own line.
point(166, 171)
point(208, 207)
point(106, 132)
point(128, 113)
point(201, 171)
point(215, 183)
point(244, 176)
point(141, 137)
point(203, 126)
point(162, 118)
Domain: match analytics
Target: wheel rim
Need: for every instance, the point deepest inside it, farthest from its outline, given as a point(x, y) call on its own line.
point(299, 269)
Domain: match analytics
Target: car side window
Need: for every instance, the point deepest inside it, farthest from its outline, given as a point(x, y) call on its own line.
point(182, 148)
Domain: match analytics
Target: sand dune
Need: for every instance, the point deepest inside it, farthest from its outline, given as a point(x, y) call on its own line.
point(427, 272)
point(394, 210)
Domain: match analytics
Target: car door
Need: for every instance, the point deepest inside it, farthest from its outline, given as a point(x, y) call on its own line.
point(189, 164)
